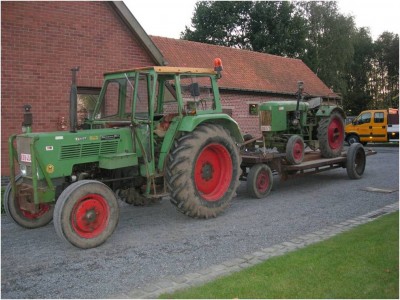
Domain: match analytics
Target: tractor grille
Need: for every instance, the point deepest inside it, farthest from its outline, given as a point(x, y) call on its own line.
point(85, 150)
point(70, 151)
point(265, 118)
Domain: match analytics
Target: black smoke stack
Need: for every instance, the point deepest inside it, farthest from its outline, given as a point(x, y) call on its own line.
point(73, 102)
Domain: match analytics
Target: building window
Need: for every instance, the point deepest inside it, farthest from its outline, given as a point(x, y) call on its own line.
point(87, 99)
point(253, 109)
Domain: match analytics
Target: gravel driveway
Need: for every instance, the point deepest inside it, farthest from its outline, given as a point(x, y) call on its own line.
point(154, 242)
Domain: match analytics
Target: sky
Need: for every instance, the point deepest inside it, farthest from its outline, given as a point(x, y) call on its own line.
point(168, 18)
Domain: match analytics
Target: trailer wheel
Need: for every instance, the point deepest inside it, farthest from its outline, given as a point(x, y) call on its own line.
point(331, 135)
point(23, 217)
point(355, 162)
point(86, 214)
point(203, 171)
point(295, 150)
point(259, 181)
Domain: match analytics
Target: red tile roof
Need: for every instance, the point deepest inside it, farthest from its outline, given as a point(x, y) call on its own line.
point(243, 69)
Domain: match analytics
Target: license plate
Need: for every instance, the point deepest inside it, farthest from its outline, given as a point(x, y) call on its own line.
point(26, 157)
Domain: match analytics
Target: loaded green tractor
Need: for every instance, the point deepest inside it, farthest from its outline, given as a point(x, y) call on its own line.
point(154, 132)
point(290, 126)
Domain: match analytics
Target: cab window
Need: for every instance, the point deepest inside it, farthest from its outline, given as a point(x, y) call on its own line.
point(364, 118)
point(378, 117)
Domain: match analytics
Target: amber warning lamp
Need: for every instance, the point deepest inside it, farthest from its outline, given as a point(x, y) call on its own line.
point(218, 67)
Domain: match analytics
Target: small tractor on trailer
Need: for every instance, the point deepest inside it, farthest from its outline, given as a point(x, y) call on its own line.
point(290, 125)
point(287, 126)
point(166, 135)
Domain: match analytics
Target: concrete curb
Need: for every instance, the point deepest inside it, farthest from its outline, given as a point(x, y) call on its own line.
point(173, 283)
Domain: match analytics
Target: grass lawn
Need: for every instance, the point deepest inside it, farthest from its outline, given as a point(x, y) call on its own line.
point(361, 263)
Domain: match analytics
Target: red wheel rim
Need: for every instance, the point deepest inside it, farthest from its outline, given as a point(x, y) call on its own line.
point(262, 181)
point(335, 134)
point(213, 172)
point(43, 209)
point(298, 151)
point(90, 216)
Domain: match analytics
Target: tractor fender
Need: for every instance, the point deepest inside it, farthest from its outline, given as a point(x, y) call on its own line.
point(189, 123)
point(327, 110)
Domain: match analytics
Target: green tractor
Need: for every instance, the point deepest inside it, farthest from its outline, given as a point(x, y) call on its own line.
point(289, 126)
point(154, 132)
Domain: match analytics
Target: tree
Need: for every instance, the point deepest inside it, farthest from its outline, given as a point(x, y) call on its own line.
point(223, 23)
point(384, 81)
point(329, 48)
point(277, 28)
point(358, 95)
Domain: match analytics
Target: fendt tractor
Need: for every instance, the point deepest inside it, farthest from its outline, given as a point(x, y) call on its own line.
point(165, 135)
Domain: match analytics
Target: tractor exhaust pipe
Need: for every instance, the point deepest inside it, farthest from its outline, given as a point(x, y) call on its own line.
point(300, 88)
point(73, 102)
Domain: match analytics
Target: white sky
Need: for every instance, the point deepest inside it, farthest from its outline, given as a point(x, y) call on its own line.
point(168, 18)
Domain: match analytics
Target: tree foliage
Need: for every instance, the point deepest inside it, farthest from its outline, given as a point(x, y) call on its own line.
point(364, 72)
point(223, 23)
point(276, 28)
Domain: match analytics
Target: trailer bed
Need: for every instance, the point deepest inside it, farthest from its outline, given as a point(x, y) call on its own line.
point(258, 167)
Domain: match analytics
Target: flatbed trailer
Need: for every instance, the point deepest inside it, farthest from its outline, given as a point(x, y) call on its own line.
point(258, 166)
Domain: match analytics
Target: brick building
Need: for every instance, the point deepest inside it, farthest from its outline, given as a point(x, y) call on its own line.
point(42, 41)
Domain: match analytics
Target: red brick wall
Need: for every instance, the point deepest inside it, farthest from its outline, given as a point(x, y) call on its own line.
point(239, 103)
point(41, 42)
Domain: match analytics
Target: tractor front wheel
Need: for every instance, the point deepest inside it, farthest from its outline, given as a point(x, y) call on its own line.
point(86, 214)
point(331, 135)
point(203, 171)
point(295, 150)
point(23, 217)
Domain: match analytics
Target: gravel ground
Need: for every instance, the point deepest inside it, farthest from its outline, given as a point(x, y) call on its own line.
point(151, 243)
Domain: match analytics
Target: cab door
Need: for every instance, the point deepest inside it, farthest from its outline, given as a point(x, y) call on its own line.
point(363, 126)
point(379, 127)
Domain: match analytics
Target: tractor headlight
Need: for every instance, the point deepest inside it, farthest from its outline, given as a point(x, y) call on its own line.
point(23, 170)
point(295, 122)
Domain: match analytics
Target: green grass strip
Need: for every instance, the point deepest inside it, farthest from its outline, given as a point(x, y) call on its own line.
point(360, 263)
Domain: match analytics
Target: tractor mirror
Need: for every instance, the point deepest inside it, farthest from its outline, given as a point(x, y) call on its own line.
point(194, 89)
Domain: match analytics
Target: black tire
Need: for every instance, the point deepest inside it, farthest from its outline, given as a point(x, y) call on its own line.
point(353, 138)
point(86, 214)
point(331, 135)
point(295, 150)
point(23, 217)
point(203, 171)
point(356, 161)
point(259, 181)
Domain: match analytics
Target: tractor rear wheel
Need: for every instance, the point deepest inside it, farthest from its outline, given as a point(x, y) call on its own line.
point(331, 135)
point(259, 181)
point(86, 214)
point(295, 150)
point(203, 171)
point(22, 217)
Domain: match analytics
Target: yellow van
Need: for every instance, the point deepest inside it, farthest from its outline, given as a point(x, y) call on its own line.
point(374, 126)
